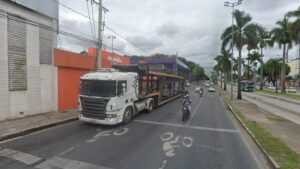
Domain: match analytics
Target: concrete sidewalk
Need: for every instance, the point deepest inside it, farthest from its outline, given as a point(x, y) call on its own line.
point(21, 126)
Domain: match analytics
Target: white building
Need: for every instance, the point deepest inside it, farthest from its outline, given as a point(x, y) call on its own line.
point(294, 65)
point(28, 77)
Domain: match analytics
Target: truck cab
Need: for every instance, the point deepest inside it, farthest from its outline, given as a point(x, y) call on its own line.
point(105, 95)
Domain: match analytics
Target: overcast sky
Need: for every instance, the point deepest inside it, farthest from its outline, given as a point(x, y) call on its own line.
point(190, 27)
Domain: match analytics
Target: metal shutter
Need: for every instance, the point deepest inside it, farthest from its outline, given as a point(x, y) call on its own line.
point(17, 55)
point(46, 46)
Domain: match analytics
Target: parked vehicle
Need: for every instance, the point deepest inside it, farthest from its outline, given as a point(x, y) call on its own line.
point(247, 86)
point(291, 90)
point(271, 88)
point(111, 96)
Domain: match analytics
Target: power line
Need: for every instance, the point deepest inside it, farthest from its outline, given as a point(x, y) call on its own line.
point(140, 48)
point(3, 14)
point(91, 23)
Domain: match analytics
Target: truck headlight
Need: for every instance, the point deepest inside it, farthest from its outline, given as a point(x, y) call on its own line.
point(111, 115)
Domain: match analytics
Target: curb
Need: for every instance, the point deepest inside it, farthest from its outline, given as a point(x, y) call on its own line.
point(33, 129)
point(269, 158)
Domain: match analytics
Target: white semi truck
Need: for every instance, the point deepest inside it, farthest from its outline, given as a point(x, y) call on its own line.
point(112, 96)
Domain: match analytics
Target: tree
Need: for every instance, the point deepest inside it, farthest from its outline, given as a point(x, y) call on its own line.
point(243, 31)
point(254, 58)
point(283, 36)
point(263, 37)
point(223, 62)
point(198, 73)
point(272, 70)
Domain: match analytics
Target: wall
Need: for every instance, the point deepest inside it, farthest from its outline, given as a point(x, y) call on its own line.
point(30, 101)
point(71, 66)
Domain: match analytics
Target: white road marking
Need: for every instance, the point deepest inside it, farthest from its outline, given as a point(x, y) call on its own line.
point(115, 132)
point(190, 127)
point(120, 131)
point(66, 151)
point(63, 163)
point(187, 141)
point(194, 112)
point(163, 165)
point(19, 156)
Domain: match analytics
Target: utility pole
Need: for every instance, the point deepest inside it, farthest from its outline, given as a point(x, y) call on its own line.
point(100, 30)
point(112, 46)
point(232, 5)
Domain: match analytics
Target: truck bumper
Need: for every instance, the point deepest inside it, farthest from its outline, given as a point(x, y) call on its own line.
point(107, 121)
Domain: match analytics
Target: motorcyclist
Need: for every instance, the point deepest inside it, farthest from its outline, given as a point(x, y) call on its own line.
point(201, 91)
point(187, 101)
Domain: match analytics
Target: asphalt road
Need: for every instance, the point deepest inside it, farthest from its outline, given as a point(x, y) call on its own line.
point(157, 140)
point(274, 104)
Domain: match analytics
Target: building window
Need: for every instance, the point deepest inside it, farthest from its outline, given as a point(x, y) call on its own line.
point(17, 65)
point(46, 46)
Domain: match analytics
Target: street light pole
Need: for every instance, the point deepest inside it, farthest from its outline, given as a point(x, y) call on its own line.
point(112, 37)
point(232, 5)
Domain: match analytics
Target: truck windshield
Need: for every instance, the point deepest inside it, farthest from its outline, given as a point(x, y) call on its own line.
point(98, 88)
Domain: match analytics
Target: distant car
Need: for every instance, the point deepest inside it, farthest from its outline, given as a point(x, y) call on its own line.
point(291, 90)
point(207, 84)
point(271, 88)
point(187, 84)
point(197, 90)
point(211, 89)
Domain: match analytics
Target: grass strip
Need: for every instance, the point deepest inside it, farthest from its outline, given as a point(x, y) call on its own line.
point(284, 156)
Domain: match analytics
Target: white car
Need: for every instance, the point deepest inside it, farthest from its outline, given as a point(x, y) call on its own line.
point(197, 90)
point(211, 89)
point(291, 90)
point(271, 88)
point(207, 85)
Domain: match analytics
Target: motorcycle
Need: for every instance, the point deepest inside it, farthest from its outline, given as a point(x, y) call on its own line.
point(185, 111)
point(201, 93)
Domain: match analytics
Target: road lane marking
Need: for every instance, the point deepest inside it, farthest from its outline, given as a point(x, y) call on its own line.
point(58, 162)
point(190, 127)
point(194, 112)
point(19, 156)
point(66, 151)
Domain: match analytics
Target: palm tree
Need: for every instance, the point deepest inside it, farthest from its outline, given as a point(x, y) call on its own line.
point(263, 37)
point(243, 30)
point(254, 59)
point(283, 36)
point(224, 64)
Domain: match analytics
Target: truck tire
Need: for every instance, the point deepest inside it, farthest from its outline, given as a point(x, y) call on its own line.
point(151, 106)
point(128, 114)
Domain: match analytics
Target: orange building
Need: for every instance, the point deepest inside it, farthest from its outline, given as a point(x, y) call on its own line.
point(71, 66)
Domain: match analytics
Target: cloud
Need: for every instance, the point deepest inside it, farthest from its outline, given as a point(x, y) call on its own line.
point(148, 43)
point(168, 29)
point(191, 27)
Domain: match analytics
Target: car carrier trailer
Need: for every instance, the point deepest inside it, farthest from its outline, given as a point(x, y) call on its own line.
point(115, 95)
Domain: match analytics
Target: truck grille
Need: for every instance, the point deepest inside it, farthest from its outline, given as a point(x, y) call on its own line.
point(94, 107)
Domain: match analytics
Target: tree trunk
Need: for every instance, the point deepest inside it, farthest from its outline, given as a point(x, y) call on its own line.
point(254, 77)
point(239, 92)
point(225, 80)
point(283, 70)
point(221, 80)
point(261, 70)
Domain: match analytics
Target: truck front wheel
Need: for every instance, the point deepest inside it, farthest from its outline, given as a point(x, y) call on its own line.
point(127, 117)
point(151, 106)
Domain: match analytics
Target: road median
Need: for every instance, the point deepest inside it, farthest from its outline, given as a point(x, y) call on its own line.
point(278, 154)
